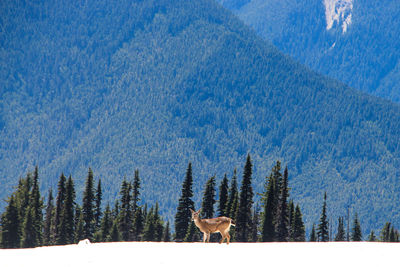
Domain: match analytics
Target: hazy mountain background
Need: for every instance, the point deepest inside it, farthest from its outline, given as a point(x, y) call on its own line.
point(354, 41)
point(155, 84)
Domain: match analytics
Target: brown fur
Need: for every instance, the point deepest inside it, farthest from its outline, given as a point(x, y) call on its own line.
point(214, 225)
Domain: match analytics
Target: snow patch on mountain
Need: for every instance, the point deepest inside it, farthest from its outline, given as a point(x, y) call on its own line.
point(338, 13)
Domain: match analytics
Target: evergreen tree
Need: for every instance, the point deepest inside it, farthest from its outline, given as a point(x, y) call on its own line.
point(372, 237)
point(106, 224)
point(291, 212)
point(322, 231)
point(135, 192)
point(233, 196)
point(68, 214)
point(115, 235)
point(341, 235)
point(158, 224)
point(125, 213)
point(385, 232)
point(183, 214)
point(192, 233)
point(149, 233)
point(299, 234)
point(138, 224)
point(223, 197)
point(208, 199)
point(11, 225)
point(29, 238)
point(267, 224)
point(167, 234)
point(313, 235)
point(254, 225)
point(97, 213)
point(282, 226)
point(356, 234)
point(243, 218)
point(36, 203)
point(58, 209)
point(48, 221)
point(79, 231)
point(88, 207)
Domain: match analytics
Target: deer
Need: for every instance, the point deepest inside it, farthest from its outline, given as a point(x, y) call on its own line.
point(213, 225)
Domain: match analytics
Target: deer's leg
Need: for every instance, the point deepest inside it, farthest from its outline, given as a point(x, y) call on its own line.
point(204, 237)
point(228, 237)
point(223, 237)
point(208, 237)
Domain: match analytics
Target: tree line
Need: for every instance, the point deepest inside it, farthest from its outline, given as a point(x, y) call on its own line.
point(28, 222)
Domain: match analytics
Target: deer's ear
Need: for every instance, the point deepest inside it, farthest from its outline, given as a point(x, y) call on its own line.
point(191, 210)
point(199, 211)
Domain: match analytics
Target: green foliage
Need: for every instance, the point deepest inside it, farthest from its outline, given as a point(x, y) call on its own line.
point(267, 221)
point(341, 234)
point(11, 225)
point(223, 197)
point(356, 234)
point(298, 231)
point(207, 206)
point(243, 217)
point(88, 207)
point(125, 211)
point(48, 221)
point(323, 231)
point(183, 214)
point(313, 234)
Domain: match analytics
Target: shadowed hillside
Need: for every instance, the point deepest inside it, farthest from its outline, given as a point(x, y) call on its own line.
point(155, 84)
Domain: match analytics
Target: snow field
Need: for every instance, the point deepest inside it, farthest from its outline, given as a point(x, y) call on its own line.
point(209, 254)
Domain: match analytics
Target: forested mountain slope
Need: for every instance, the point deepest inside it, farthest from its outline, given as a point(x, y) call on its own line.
point(355, 41)
point(155, 84)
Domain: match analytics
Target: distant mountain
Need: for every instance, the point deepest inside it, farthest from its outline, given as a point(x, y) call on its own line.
point(155, 84)
point(355, 41)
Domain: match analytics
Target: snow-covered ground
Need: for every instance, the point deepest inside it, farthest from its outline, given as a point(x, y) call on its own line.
point(211, 254)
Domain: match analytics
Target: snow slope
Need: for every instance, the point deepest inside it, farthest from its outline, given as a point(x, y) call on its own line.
point(339, 12)
point(199, 254)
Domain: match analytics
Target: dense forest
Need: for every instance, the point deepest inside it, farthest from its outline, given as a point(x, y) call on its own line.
point(365, 56)
point(152, 85)
point(29, 222)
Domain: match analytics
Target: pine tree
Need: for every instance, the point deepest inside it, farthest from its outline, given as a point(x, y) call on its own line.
point(106, 224)
point(341, 235)
point(192, 233)
point(313, 235)
point(135, 192)
point(243, 218)
point(115, 235)
point(149, 233)
point(299, 234)
point(29, 239)
point(267, 224)
point(11, 225)
point(79, 231)
point(356, 234)
point(183, 214)
point(88, 207)
point(385, 232)
point(158, 224)
point(291, 212)
point(372, 237)
point(138, 224)
point(48, 221)
point(322, 231)
point(208, 202)
point(167, 234)
point(282, 226)
point(36, 204)
point(58, 209)
point(97, 212)
point(125, 213)
point(223, 197)
point(233, 195)
point(68, 214)
point(255, 225)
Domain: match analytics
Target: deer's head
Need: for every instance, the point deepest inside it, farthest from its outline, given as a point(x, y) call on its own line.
point(195, 214)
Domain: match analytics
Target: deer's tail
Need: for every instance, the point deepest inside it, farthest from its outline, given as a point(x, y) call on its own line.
point(233, 222)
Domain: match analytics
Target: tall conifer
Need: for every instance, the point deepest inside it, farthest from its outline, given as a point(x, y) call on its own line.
point(322, 231)
point(282, 231)
point(97, 212)
point(48, 221)
point(11, 225)
point(223, 197)
point(183, 214)
point(243, 217)
point(208, 202)
point(88, 207)
point(341, 234)
point(356, 234)
point(267, 223)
